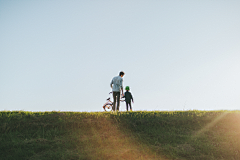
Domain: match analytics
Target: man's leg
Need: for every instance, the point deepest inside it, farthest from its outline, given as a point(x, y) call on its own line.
point(118, 100)
point(114, 101)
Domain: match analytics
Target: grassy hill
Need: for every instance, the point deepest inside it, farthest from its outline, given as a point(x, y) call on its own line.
point(186, 135)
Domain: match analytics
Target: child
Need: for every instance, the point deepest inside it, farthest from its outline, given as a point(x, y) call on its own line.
point(128, 97)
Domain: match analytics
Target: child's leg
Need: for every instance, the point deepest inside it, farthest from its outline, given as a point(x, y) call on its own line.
point(130, 105)
point(127, 106)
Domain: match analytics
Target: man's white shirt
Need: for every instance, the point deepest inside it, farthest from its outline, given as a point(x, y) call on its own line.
point(117, 83)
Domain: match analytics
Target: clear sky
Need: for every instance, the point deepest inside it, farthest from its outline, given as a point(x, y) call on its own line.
point(176, 55)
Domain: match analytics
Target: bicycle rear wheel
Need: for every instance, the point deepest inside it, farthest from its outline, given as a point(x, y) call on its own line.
point(107, 107)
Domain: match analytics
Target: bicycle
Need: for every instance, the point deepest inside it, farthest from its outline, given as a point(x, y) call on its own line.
point(108, 106)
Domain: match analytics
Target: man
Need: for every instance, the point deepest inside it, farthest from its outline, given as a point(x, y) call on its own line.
point(117, 86)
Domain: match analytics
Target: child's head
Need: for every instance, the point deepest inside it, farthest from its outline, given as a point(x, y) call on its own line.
point(127, 88)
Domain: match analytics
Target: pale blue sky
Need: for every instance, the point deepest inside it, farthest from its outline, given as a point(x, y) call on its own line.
point(62, 55)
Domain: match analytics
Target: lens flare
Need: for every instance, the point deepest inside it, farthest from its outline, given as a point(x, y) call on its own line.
point(210, 125)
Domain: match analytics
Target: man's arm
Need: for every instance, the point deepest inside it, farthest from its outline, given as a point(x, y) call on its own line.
point(122, 86)
point(123, 95)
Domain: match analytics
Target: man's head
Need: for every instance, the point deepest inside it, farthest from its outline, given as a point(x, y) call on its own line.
point(121, 74)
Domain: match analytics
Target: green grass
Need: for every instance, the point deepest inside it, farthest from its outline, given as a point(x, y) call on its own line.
point(125, 135)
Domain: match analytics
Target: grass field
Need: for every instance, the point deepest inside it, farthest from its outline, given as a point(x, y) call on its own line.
point(190, 135)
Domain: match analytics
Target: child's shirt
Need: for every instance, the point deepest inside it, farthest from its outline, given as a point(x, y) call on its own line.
point(128, 96)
